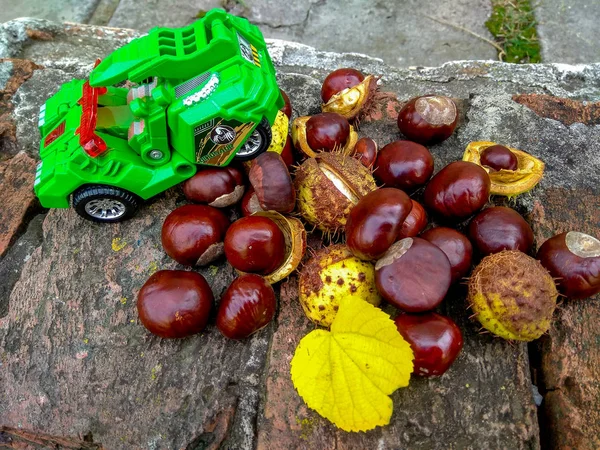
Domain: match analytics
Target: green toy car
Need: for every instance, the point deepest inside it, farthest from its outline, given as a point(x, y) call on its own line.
point(152, 112)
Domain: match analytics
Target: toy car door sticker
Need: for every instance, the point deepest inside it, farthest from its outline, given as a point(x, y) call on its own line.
point(218, 151)
point(245, 49)
point(222, 134)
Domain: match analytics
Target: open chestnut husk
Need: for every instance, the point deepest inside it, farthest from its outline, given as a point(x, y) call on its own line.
point(193, 234)
point(271, 180)
point(175, 303)
point(509, 183)
point(324, 132)
point(428, 119)
point(456, 246)
point(347, 92)
point(247, 306)
point(330, 275)
point(500, 228)
point(415, 222)
point(413, 275)
point(573, 258)
point(216, 186)
point(434, 339)
point(255, 244)
point(404, 165)
point(328, 187)
point(458, 190)
point(365, 151)
point(375, 221)
point(512, 295)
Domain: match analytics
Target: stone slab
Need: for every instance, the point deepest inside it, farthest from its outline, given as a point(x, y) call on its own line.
point(402, 33)
point(568, 30)
point(76, 361)
point(56, 10)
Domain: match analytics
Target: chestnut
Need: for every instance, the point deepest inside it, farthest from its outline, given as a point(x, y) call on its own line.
point(415, 222)
point(287, 154)
point(404, 165)
point(435, 340)
point(498, 157)
point(249, 203)
point(365, 151)
point(287, 106)
point(255, 244)
point(175, 303)
point(327, 131)
point(193, 234)
point(458, 190)
point(272, 182)
point(413, 275)
point(219, 187)
point(247, 306)
point(456, 246)
point(338, 80)
point(573, 258)
point(500, 228)
point(375, 221)
point(428, 119)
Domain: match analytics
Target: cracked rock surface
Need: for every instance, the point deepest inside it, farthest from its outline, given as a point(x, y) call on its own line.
point(75, 361)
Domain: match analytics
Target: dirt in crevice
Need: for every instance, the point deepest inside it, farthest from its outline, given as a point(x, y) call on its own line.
point(534, 351)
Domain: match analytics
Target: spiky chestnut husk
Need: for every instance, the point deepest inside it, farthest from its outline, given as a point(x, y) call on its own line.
point(328, 187)
point(329, 277)
point(351, 101)
point(509, 183)
point(513, 296)
point(301, 142)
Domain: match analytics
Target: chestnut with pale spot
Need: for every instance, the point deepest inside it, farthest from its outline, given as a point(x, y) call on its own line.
point(428, 119)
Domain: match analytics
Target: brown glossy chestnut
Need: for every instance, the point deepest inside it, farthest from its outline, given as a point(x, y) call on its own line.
point(435, 340)
point(287, 154)
point(255, 244)
point(247, 306)
point(338, 80)
point(456, 246)
point(498, 157)
point(175, 303)
point(573, 258)
point(193, 234)
point(404, 165)
point(287, 106)
point(216, 186)
point(249, 203)
point(327, 131)
point(415, 222)
point(500, 228)
point(428, 119)
point(458, 190)
point(365, 151)
point(375, 221)
point(413, 275)
point(271, 180)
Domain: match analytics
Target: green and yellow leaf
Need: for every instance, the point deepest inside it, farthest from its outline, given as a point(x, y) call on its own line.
point(348, 373)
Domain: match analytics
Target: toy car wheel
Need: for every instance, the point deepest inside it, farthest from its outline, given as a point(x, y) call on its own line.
point(257, 143)
point(100, 203)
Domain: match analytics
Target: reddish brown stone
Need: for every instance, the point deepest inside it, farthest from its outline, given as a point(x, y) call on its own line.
point(16, 182)
point(564, 110)
point(570, 354)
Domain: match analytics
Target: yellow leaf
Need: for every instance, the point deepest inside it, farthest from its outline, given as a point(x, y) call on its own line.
point(347, 374)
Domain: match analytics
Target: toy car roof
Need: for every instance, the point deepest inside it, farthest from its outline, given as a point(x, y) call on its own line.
point(177, 53)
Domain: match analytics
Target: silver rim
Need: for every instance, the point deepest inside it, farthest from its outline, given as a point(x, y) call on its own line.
point(252, 145)
point(105, 208)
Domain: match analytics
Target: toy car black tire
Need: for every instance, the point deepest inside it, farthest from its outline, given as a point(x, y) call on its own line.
point(264, 132)
point(105, 204)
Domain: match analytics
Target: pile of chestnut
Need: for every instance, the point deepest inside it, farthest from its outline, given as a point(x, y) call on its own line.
point(415, 263)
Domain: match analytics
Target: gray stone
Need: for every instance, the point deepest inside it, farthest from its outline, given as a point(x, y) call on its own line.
point(155, 13)
point(55, 10)
point(568, 30)
point(75, 359)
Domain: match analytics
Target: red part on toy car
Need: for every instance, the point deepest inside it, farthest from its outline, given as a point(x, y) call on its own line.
point(93, 144)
